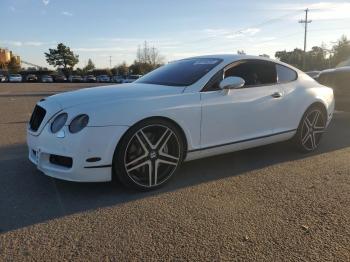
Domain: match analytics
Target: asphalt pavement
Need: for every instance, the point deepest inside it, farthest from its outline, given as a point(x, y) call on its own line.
point(264, 204)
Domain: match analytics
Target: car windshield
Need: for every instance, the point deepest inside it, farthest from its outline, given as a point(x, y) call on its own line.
point(180, 73)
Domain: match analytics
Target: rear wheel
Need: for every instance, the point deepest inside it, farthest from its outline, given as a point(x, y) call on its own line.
point(149, 154)
point(311, 129)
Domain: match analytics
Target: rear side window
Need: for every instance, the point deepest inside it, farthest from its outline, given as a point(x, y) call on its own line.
point(285, 74)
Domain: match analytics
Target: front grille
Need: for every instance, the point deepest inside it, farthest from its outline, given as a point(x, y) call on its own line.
point(37, 117)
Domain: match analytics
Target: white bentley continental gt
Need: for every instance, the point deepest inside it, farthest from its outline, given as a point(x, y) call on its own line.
point(193, 108)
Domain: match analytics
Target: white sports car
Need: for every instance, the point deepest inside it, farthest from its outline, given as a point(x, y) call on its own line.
point(185, 110)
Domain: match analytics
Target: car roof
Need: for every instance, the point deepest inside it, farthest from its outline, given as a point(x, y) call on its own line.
point(344, 69)
point(230, 58)
point(233, 57)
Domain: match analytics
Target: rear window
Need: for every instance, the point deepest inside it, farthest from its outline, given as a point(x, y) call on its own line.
point(180, 73)
point(285, 74)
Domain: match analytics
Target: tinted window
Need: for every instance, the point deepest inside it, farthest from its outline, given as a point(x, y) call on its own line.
point(254, 72)
point(285, 74)
point(180, 73)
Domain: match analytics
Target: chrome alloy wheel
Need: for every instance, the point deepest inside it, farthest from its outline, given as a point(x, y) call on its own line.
point(312, 129)
point(152, 155)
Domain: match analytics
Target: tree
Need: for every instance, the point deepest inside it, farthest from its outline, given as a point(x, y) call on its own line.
point(240, 52)
point(105, 71)
point(319, 57)
point(79, 71)
point(147, 59)
point(294, 58)
point(13, 66)
point(316, 58)
point(89, 67)
point(341, 51)
point(138, 68)
point(62, 57)
point(121, 69)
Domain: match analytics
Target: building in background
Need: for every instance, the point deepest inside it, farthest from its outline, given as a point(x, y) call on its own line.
point(6, 56)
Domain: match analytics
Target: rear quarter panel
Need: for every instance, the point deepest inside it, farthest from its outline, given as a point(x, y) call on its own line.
point(300, 95)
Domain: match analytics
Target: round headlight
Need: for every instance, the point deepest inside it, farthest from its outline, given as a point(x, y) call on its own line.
point(59, 122)
point(78, 123)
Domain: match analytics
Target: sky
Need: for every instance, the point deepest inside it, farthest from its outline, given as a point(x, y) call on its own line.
point(106, 29)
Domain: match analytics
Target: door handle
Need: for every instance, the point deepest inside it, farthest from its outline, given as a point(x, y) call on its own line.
point(277, 95)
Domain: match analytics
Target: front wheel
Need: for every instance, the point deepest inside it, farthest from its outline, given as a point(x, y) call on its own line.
point(149, 154)
point(311, 129)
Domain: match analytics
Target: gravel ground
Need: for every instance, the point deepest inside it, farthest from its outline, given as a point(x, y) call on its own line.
point(264, 204)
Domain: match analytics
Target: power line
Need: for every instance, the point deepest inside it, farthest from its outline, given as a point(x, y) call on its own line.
point(241, 31)
point(327, 29)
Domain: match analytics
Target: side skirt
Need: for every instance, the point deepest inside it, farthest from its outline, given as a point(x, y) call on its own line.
point(239, 145)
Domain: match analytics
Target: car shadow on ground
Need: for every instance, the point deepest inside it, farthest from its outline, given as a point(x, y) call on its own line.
point(28, 197)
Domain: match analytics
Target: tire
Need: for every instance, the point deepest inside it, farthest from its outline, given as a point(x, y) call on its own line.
point(148, 155)
point(311, 129)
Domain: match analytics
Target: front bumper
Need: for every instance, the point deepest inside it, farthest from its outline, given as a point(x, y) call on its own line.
point(90, 143)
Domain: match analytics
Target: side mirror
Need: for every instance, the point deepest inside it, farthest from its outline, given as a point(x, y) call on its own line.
point(232, 82)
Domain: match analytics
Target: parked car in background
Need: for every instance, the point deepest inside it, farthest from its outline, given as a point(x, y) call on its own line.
point(313, 74)
point(15, 78)
point(117, 79)
point(3, 78)
point(46, 79)
point(75, 79)
point(339, 80)
point(31, 78)
point(90, 79)
point(131, 78)
point(103, 79)
point(59, 78)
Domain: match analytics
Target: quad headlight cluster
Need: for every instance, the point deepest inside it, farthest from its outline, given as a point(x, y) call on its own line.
point(76, 125)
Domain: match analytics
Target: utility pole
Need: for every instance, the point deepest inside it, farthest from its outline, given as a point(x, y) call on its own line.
point(110, 61)
point(305, 22)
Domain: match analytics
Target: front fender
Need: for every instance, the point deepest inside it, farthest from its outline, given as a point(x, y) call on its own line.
point(184, 109)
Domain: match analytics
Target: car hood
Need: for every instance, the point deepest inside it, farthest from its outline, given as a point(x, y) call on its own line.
point(112, 93)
